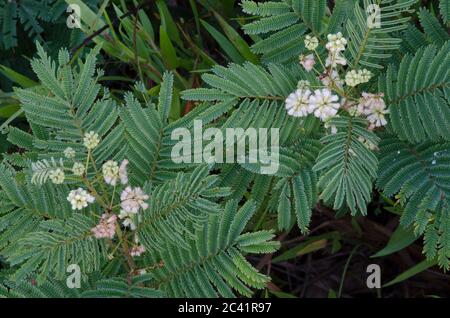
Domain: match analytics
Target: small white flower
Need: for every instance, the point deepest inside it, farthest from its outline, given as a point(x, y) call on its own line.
point(307, 62)
point(336, 42)
point(78, 169)
point(69, 153)
point(110, 171)
point(303, 84)
point(57, 176)
point(365, 75)
point(352, 78)
point(368, 102)
point(325, 104)
point(79, 199)
point(334, 58)
point(133, 200)
point(377, 117)
point(311, 42)
point(297, 103)
point(91, 140)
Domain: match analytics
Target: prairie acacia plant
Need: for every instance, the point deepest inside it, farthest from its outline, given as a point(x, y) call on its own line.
point(359, 110)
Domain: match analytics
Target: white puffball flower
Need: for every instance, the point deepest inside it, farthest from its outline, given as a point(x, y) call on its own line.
point(352, 78)
point(377, 117)
point(336, 42)
point(79, 199)
point(78, 169)
point(69, 153)
point(110, 171)
point(311, 42)
point(324, 103)
point(297, 103)
point(369, 102)
point(91, 140)
point(133, 200)
point(57, 176)
point(364, 75)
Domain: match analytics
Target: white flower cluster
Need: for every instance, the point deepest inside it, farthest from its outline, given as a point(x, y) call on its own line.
point(354, 78)
point(78, 169)
point(57, 176)
point(91, 140)
point(110, 171)
point(311, 43)
point(336, 42)
point(69, 153)
point(79, 199)
point(132, 200)
point(322, 103)
point(374, 107)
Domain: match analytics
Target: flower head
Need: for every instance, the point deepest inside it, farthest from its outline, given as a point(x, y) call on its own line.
point(69, 153)
point(91, 140)
point(57, 176)
point(106, 228)
point(368, 102)
point(297, 103)
point(364, 75)
point(307, 62)
point(377, 117)
point(311, 42)
point(110, 171)
point(352, 78)
point(133, 200)
point(78, 169)
point(80, 199)
point(324, 103)
point(336, 42)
